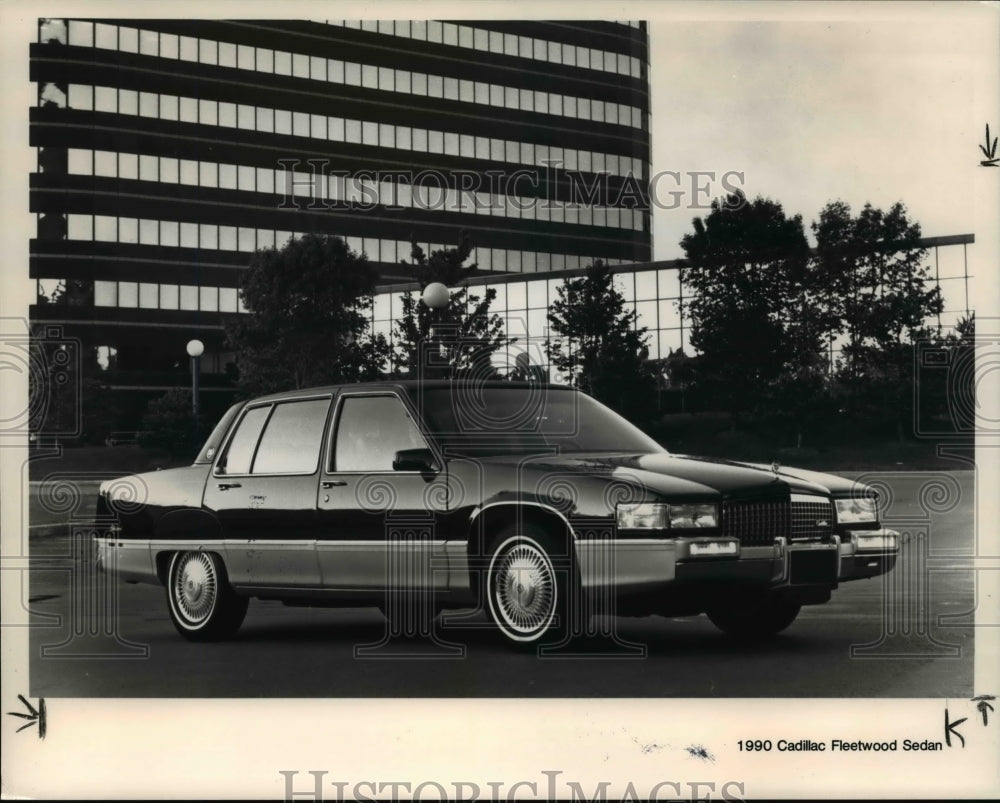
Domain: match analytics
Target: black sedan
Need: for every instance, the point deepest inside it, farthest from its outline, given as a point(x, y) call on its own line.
point(532, 502)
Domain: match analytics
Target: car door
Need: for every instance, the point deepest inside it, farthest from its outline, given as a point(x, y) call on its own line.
point(379, 524)
point(263, 491)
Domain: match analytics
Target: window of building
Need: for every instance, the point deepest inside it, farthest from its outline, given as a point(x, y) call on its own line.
point(105, 228)
point(227, 238)
point(105, 36)
point(128, 294)
point(228, 299)
point(300, 124)
point(81, 34)
point(128, 101)
point(246, 241)
point(265, 120)
point(208, 236)
point(79, 227)
point(105, 293)
point(128, 39)
point(169, 233)
point(80, 97)
point(149, 232)
point(188, 297)
point(208, 299)
point(148, 295)
point(168, 296)
point(128, 230)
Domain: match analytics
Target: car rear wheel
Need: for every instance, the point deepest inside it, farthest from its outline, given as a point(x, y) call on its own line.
point(202, 605)
point(527, 592)
point(754, 619)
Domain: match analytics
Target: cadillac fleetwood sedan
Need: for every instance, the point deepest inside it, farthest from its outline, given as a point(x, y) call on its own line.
point(531, 502)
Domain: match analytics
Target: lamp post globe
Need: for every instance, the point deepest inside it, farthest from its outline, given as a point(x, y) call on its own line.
point(195, 348)
point(436, 296)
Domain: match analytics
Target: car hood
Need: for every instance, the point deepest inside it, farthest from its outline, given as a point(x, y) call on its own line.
point(692, 477)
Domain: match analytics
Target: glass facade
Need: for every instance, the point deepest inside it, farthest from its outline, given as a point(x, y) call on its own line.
point(168, 150)
point(657, 293)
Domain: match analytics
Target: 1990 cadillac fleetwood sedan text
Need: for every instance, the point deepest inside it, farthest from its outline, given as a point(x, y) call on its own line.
point(533, 502)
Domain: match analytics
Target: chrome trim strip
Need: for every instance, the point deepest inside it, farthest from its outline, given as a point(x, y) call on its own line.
point(333, 543)
point(811, 499)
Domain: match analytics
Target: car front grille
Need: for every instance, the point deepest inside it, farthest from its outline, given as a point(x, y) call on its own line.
point(811, 521)
point(759, 523)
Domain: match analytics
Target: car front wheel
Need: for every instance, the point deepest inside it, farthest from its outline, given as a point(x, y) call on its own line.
point(752, 620)
point(526, 587)
point(202, 605)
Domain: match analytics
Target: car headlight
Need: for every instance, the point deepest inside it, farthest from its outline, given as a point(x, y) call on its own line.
point(856, 510)
point(662, 516)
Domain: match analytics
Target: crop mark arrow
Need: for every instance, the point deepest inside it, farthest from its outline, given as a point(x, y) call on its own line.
point(33, 716)
point(982, 705)
point(989, 150)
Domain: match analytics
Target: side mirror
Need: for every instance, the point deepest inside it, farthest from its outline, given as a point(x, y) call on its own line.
point(414, 460)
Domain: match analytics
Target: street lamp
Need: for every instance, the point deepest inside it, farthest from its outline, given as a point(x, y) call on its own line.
point(195, 348)
point(435, 297)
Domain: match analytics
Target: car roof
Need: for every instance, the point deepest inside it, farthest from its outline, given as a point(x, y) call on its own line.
point(408, 386)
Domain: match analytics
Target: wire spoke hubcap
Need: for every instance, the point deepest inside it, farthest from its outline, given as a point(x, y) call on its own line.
point(525, 588)
point(196, 587)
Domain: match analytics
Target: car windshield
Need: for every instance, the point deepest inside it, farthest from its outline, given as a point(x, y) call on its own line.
point(492, 420)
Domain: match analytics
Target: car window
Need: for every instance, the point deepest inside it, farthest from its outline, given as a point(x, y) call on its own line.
point(241, 447)
point(370, 432)
point(291, 441)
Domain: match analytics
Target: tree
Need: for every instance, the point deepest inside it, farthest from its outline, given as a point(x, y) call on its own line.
point(758, 314)
point(168, 425)
point(466, 334)
point(306, 323)
point(878, 283)
point(881, 292)
point(596, 345)
point(69, 293)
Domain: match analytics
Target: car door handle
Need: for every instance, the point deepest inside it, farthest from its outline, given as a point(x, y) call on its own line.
point(225, 486)
point(333, 483)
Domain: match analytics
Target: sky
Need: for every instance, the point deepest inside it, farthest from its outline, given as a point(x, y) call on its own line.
point(814, 102)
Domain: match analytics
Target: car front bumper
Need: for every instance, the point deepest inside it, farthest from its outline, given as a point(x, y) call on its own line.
point(645, 565)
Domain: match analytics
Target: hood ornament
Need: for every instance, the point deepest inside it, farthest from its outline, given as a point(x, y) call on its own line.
point(775, 467)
